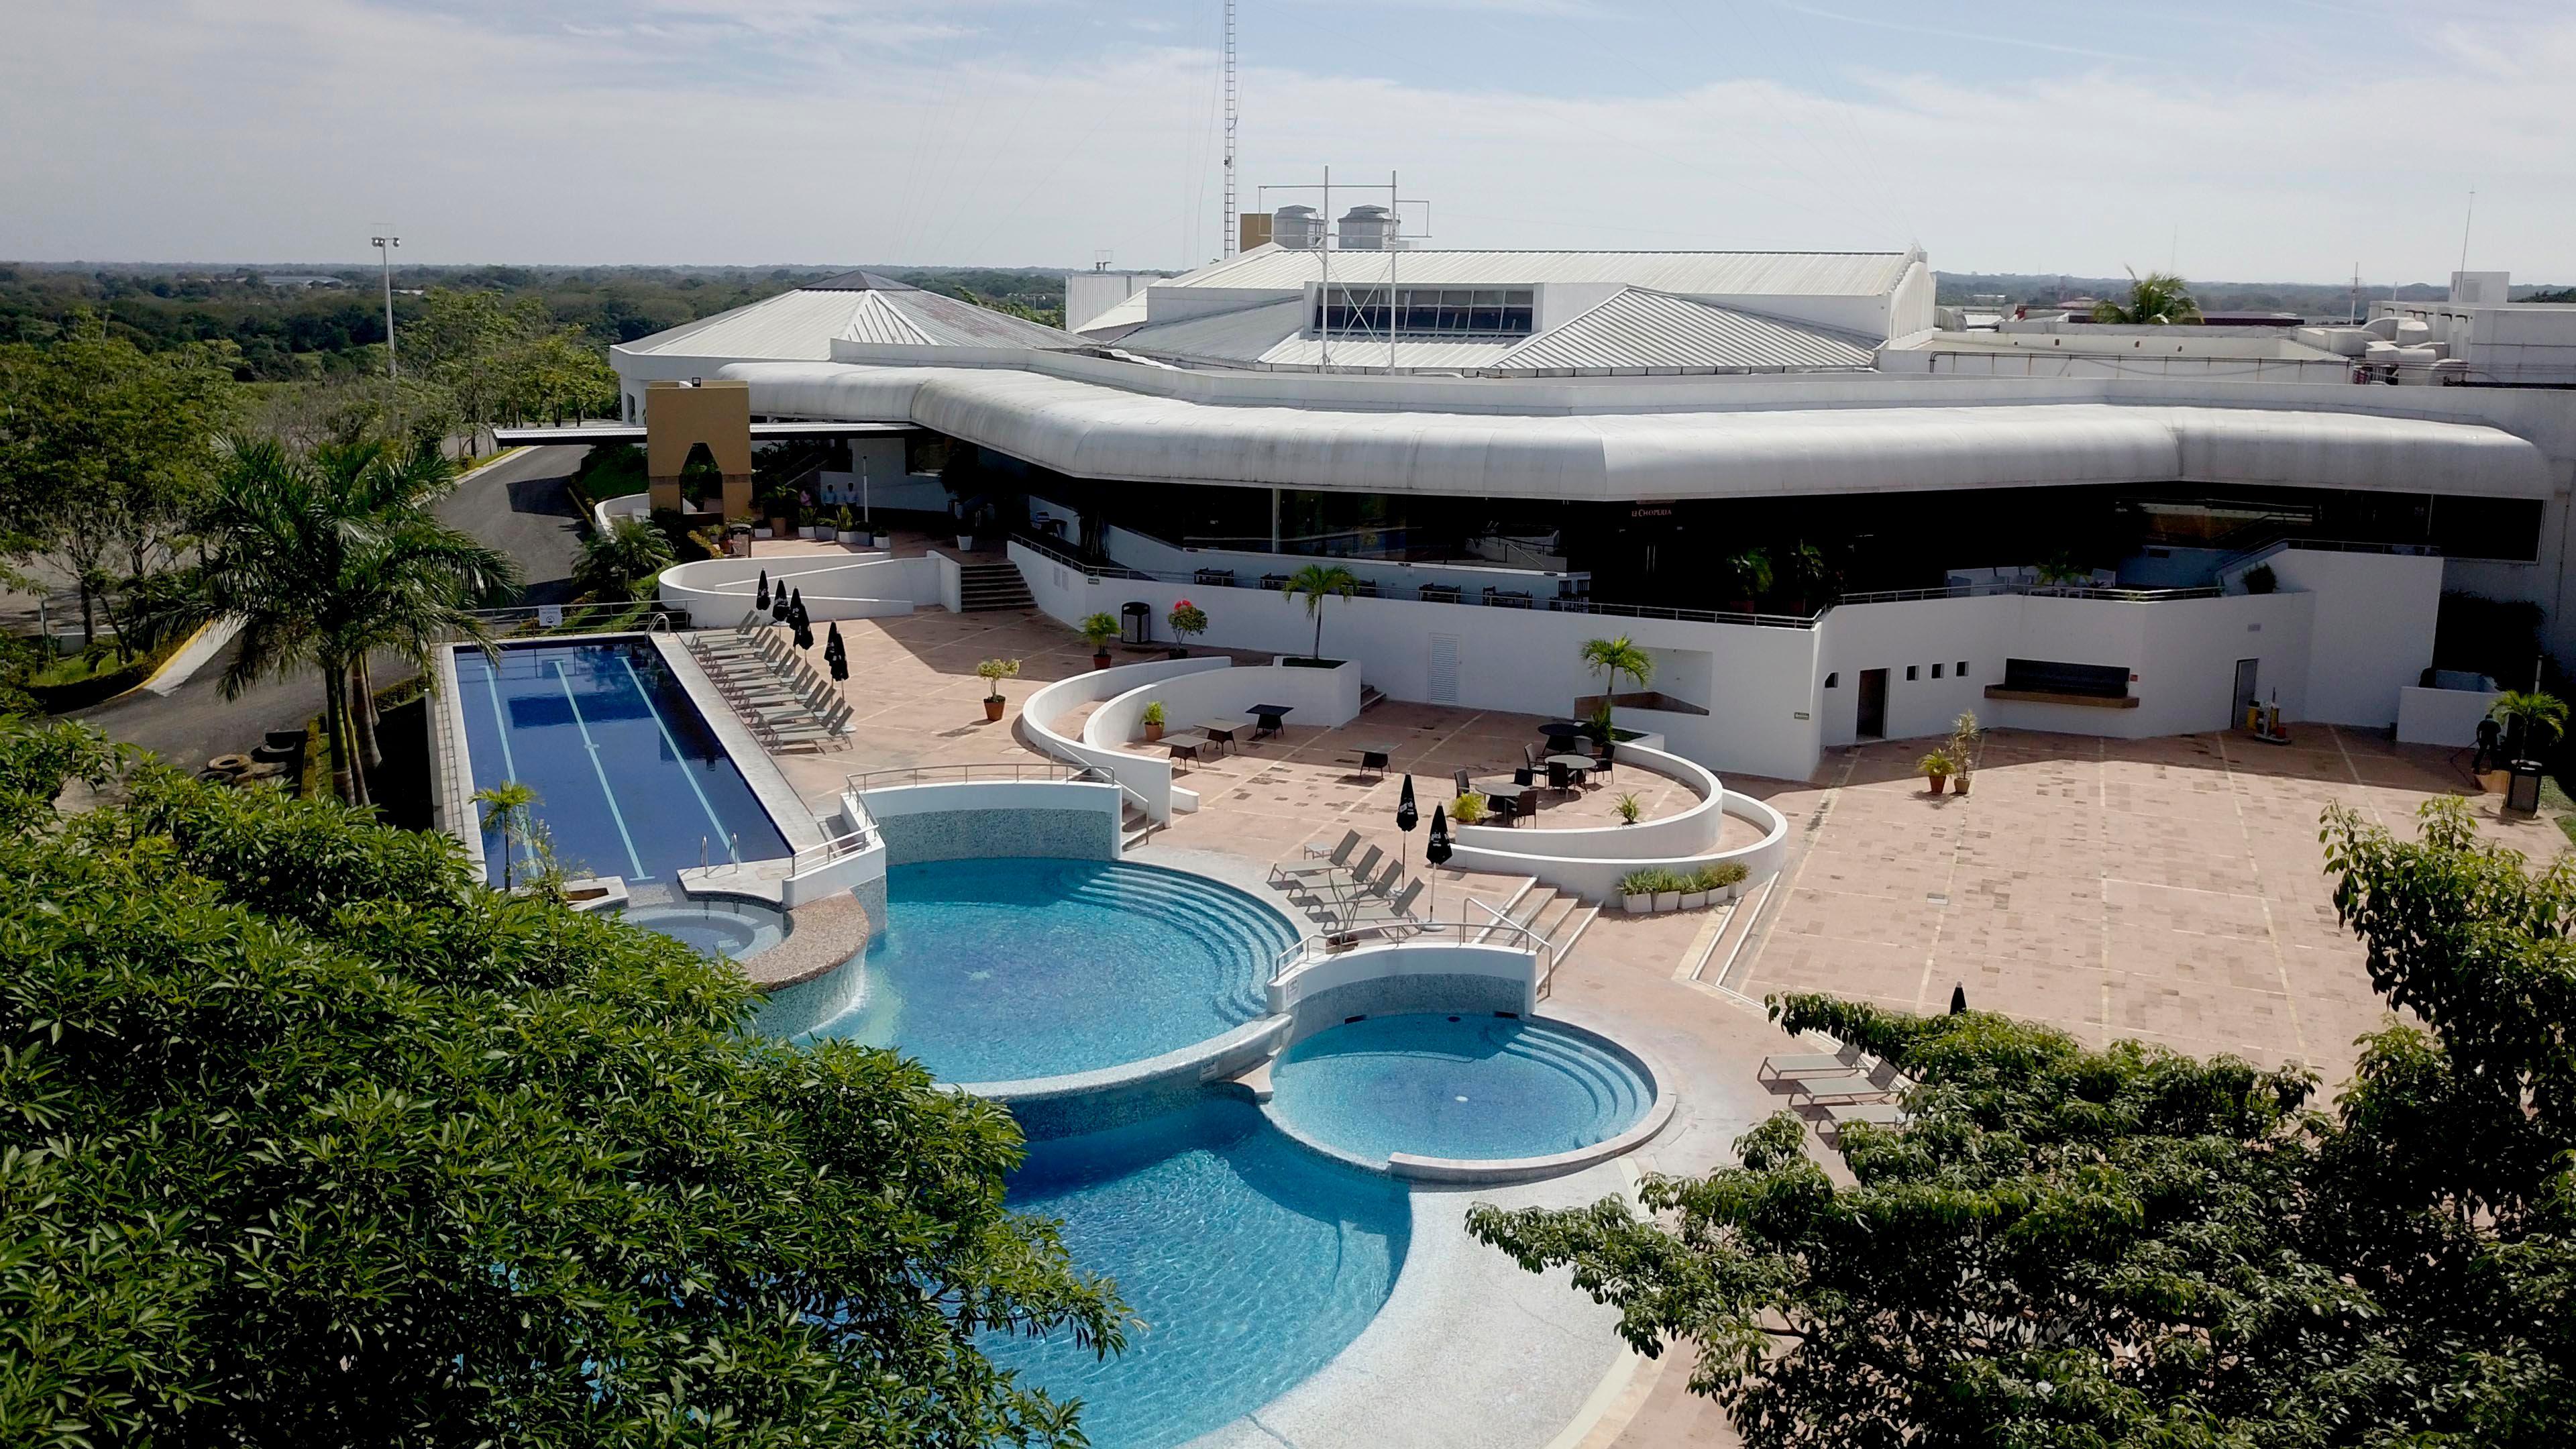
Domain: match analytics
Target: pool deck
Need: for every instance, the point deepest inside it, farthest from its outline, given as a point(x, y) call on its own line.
point(2166, 890)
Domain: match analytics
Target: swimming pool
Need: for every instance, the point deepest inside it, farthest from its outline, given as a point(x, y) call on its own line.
point(630, 781)
point(717, 927)
point(1251, 1261)
point(1005, 969)
point(1462, 1086)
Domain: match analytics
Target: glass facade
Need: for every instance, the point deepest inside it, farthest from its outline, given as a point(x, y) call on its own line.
point(1435, 311)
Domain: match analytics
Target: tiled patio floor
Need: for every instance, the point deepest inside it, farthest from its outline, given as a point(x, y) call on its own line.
point(2169, 890)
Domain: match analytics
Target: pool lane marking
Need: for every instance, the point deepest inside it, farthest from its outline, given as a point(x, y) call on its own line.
point(501, 727)
point(685, 772)
point(601, 771)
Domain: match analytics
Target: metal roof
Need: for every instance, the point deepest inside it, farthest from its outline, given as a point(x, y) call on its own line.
point(799, 326)
point(1238, 336)
point(1639, 330)
point(1778, 274)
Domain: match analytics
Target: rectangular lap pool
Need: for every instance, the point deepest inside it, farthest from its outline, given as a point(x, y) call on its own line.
point(630, 781)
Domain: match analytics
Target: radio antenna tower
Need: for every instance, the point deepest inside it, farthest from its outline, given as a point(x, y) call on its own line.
point(1233, 110)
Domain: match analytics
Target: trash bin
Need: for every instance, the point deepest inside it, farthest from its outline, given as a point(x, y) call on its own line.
point(1138, 616)
point(2522, 791)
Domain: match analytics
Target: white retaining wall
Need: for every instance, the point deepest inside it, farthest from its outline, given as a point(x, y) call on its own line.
point(1393, 577)
point(1596, 879)
point(1150, 779)
point(1419, 956)
point(2447, 717)
point(1325, 697)
point(1689, 832)
point(836, 586)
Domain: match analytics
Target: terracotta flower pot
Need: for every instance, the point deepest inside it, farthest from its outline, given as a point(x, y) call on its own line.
point(993, 709)
point(1959, 785)
point(1100, 660)
point(1937, 782)
point(1153, 732)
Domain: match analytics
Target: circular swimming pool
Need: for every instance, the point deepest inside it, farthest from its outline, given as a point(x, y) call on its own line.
point(1462, 1086)
point(1250, 1260)
point(1007, 969)
point(731, 930)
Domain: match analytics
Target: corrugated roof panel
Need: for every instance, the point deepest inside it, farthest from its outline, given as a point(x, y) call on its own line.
point(792, 326)
point(876, 320)
point(1853, 274)
point(1359, 354)
point(954, 323)
point(1241, 335)
point(1638, 329)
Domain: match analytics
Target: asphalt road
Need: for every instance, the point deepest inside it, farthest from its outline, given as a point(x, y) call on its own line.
point(517, 505)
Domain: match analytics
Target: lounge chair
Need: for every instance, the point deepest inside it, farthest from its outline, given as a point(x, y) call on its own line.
point(1315, 879)
point(1801, 1067)
point(1379, 912)
point(1335, 860)
point(1877, 1114)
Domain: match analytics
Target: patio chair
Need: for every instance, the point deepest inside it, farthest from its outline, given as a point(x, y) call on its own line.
point(1465, 785)
point(1333, 859)
point(1382, 912)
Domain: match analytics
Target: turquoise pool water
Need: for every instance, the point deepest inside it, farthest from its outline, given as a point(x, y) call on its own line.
point(714, 927)
point(1251, 1261)
point(1455, 1086)
point(1006, 969)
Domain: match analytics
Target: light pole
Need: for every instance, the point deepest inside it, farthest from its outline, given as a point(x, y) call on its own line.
point(385, 248)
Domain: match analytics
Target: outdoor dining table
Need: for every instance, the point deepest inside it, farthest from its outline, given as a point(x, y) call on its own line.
point(1517, 794)
point(1224, 729)
point(1269, 715)
point(1561, 735)
point(1563, 770)
point(1374, 757)
point(1185, 746)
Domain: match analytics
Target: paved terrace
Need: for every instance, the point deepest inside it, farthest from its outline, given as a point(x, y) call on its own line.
point(2169, 890)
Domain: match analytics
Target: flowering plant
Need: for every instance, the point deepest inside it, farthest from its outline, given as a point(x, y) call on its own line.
point(1186, 619)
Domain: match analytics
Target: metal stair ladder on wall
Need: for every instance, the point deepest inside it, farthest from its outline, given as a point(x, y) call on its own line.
point(984, 588)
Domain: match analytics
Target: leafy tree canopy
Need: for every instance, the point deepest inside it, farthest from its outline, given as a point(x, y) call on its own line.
point(310, 1139)
point(2065, 1246)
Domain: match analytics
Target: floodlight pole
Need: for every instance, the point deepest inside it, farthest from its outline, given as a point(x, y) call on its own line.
point(385, 249)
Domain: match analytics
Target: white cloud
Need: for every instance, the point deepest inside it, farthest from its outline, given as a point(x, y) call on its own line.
point(741, 132)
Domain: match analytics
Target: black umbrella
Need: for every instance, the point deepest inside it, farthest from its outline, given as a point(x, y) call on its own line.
point(801, 622)
point(1959, 999)
point(778, 609)
point(1435, 850)
point(837, 655)
point(1406, 816)
point(762, 601)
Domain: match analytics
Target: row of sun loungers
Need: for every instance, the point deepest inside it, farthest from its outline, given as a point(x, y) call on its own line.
point(784, 700)
point(1371, 893)
point(1848, 1085)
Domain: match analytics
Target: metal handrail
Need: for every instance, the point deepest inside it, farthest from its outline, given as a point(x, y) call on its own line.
point(839, 846)
point(967, 773)
point(1328, 944)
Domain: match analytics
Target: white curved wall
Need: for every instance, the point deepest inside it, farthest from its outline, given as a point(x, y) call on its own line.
point(1595, 879)
point(1148, 778)
point(718, 590)
point(1317, 697)
point(1420, 956)
point(606, 512)
point(1689, 832)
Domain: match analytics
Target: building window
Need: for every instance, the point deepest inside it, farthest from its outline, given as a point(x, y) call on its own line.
point(1832, 680)
point(1962, 670)
point(1912, 673)
point(1368, 310)
point(1936, 671)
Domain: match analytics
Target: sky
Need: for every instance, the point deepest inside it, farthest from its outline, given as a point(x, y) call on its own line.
point(2235, 140)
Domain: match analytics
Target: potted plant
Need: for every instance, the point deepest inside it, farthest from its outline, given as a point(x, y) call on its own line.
point(2530, 719)
point(782, 516)
point(993, 672)
point(1468, 809)
point(1153, 720)
point(1630, 808)
point(1726, 882)
point(1099, 629)
point(1695, 889)
point(845, 529)
point(1315, 583)
point(2261, 580)
point(1937, 767)
point(1637, 892)
point(883, 539)
point(1967, 737)
point(1609, 659)
point(1668, 890)
point(1187, 621)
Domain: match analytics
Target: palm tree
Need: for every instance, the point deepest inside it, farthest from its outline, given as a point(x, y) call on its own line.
point(2525, 714)
point(505, 808)
point(1749, 572)
point(613, 563)
point(1610, 658)
point(2157, 297)
point(324, 559)
point(1317, 582)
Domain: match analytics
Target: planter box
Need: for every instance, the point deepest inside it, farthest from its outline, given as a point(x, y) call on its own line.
point(1668, 900)
point(1637, 905)
point(760, 530)
point(965, 543)
point(883, 540)
point(1693, 900)
point(848, 536)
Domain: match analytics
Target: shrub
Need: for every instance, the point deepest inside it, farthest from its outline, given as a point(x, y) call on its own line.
point(1154, 712)
point(1630, 808)
point(1467, 809)
point(994, 671)
point(1639, 882)
point(2261, 580)
point(1099, 629)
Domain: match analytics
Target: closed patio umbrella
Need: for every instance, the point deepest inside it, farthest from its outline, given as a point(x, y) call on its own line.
point(1435, 851)
point(1959, 999)
point(1406, 816)
point(761, 600)
point(837, 655)
point(801, 622)
point(778, 609)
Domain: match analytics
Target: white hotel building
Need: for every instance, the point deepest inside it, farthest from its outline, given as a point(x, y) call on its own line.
point(1517, 451)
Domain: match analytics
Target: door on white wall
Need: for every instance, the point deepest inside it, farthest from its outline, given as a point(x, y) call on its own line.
point(1872, 694)
point(1444, 669)
point(2248, 690)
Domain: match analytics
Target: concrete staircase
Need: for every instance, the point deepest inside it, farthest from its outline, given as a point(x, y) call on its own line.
point(987, 588)
point(1370, 697)
point(1555, 917)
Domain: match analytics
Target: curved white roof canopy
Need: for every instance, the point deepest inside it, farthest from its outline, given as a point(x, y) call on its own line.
point(1092, 430)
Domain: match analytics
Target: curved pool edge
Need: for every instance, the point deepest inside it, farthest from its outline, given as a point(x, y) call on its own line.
point(1078, 1102)
point(1502, 1171)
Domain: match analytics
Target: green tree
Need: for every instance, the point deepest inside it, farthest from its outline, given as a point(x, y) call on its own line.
point(1608, 659)
point(308, 1138)
point(324, 559)
point(104, 452)
point(2157, 297)
point(2074, 1247)
point(614, 564)
point(507, 809)
point(1748, 573)
point(1317, 582)
point(2530, 718)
